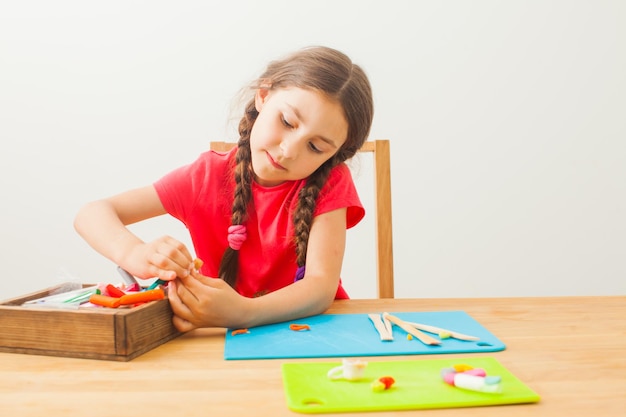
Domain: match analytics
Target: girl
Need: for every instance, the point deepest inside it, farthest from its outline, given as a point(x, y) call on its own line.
point(269, 217)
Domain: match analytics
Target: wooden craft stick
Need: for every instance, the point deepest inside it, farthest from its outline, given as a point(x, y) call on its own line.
point(438, 330)
point(424, 338)
point(388, 325)
point(383, 331)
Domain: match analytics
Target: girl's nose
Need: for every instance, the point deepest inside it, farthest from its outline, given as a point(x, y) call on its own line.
point(289, 147)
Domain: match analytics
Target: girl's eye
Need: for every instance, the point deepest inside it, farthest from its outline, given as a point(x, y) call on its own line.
point(286, 123)
point(314, 148)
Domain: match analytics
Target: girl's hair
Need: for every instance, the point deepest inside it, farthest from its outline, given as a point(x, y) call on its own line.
point(324, 70)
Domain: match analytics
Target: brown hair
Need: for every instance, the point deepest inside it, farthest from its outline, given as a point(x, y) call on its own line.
point(327, 71)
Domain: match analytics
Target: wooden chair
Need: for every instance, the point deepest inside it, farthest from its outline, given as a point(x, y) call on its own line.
point(382, 211)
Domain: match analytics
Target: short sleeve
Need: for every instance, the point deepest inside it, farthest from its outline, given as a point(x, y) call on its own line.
point(340, 192)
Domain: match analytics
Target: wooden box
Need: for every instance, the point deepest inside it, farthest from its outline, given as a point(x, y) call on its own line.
point(94, 333)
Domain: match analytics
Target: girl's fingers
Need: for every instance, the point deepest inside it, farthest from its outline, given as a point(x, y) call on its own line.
point(198, 282)
point(170, 258)
point(197, 300)
point(166, 267)
point(182, 256)
point(178, 306)
point(165, 275)
point(182, 313)
point(188, 295)
point(182, 325)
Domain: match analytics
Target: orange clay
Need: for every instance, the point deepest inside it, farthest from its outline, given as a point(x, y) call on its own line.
point(299, 327)
point(197, 264)
point(104, 300)
point(239, 331)
point(142, 296)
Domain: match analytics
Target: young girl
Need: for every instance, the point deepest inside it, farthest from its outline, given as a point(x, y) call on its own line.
point(269, 217)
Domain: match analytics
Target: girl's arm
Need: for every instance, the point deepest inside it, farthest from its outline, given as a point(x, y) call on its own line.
point(102, 224)
point(200, 301)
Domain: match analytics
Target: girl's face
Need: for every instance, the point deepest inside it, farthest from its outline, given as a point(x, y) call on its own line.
point(296, 131)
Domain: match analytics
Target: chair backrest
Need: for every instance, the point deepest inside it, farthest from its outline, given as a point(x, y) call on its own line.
point(382, 210)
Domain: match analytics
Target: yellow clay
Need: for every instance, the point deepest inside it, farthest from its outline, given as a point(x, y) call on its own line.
point(462, 367)
point(378, 386)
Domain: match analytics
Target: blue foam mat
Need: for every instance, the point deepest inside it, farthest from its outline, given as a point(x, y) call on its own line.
point(342, 335)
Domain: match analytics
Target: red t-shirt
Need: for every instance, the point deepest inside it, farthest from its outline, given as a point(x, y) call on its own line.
point(201, 194)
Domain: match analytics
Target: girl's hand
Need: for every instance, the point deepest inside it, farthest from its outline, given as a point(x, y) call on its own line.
point(199, 301)
point(165, 258)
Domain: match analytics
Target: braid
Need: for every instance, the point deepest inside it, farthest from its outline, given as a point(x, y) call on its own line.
point(303, 216)
point(243, 192)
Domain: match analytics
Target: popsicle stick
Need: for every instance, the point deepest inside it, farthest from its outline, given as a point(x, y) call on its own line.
point(424, 338)
point(388, 325)
point(383, 331)
point(437, 330)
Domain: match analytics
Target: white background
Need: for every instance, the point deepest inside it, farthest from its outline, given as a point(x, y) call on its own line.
point(507, 122)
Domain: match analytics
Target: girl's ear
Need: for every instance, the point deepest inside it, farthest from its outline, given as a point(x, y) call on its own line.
point(261, 96)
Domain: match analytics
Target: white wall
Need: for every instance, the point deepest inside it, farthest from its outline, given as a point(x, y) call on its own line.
point(506, 120)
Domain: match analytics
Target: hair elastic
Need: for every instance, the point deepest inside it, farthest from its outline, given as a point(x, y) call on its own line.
point(236, 236)
point(299, 273)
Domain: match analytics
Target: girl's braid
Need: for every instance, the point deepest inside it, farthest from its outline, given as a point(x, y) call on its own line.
point(303, 217)
point(243, 191)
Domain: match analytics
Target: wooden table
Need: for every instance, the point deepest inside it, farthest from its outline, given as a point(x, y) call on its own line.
point(570, 350)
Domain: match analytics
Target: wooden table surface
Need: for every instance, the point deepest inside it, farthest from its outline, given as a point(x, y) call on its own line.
point(570, 350)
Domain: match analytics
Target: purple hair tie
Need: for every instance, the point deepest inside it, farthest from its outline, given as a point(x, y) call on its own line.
point(299, 273)
point(236, 236)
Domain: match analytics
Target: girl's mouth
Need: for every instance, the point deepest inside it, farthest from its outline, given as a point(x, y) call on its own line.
point(274, 163)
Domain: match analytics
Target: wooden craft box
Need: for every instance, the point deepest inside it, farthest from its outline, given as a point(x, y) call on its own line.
point(93, 333)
